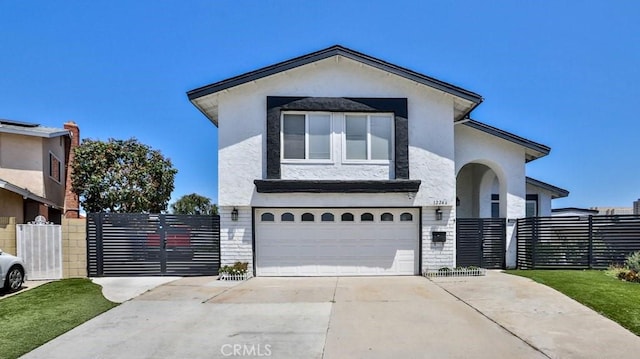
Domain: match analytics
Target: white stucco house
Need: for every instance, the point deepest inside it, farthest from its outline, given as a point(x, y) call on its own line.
point(339, 163)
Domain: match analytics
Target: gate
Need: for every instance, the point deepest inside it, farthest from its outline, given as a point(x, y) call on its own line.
point(130, 244)
point(481, 242)
point(39, 245)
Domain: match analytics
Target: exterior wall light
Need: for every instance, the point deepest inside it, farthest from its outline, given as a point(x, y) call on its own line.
point(438, 214)
point(234, 214)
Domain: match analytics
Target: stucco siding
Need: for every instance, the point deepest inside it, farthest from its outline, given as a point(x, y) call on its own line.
point(21, 162)
point(11, 205)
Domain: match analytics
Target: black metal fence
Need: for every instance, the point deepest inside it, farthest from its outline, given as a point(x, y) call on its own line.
point(481, 242)
point(128, 244)
point(576, 242)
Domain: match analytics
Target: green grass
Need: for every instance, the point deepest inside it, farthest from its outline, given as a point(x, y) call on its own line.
point(32, 318)
point(609, 296)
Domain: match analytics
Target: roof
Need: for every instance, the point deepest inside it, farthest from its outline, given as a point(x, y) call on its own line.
point(25, 193)
point(534, 151)
point(336, 50)
point(574, 209)
point(556, 192)
point(31, 129)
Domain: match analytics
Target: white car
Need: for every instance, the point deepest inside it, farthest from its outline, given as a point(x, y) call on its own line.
point(12, 272)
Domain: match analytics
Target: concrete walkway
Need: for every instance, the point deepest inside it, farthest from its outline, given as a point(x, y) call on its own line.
point(543, 317)
point(497, 316)
point(121, 289)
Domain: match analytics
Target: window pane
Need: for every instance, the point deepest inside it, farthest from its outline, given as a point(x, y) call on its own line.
point(381, 137)
point(386, 217)
point(267, 217)
point(307, 217)
point(366, 217)
point(286, 217)
point(293, 136)
point(495, 210)
point(319, 130)
point(406, 217)
point(347, 217)
point(531, 209)
point(356, 136)
point(327, 217)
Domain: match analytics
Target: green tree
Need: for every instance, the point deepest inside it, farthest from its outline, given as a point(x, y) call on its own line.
point(121, 176)
point(194, 204)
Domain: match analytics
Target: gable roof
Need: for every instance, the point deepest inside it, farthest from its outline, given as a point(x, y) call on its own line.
point(31, 129)
point(534, 150)
point(336, 50)
point(556, 192)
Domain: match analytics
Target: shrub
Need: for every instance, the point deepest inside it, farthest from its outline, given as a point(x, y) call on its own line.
point(633, 262)
point(236, 268)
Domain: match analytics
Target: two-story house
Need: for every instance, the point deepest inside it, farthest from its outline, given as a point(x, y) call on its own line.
point(34, 162)
point(339, 163)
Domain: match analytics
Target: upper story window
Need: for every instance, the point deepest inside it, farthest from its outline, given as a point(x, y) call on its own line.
point(306, 136)
point(55, 168)
point(368, 137)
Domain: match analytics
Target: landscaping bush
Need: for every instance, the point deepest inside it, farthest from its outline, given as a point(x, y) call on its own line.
point(633, 262)
point(236, 268)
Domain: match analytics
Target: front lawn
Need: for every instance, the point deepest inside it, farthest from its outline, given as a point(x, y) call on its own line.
point(609, 296)
point(32, 318)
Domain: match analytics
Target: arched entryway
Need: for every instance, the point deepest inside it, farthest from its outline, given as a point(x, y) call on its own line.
point(480, 216)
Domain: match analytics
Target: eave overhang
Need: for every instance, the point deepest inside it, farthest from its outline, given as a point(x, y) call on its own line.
point(556, 192)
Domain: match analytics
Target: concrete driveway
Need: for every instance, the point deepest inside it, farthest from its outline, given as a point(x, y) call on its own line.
point(374, 317)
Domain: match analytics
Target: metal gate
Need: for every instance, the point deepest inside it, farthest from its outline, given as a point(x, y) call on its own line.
point(126, 244)
point(481, 242)
point(40, 247)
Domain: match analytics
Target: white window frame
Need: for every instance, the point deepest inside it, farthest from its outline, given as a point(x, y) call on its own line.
point(59, 181)
point(306, 138)
point(392, 155)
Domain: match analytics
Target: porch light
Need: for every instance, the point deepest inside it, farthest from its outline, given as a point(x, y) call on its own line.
point(234, 214)
point(438, 214)
point(457, 201)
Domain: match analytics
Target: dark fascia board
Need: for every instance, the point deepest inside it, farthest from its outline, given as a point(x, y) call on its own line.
point(556, 191)
point(575, 209)
point(538, 147)
point(336, 186)
point(327, 53)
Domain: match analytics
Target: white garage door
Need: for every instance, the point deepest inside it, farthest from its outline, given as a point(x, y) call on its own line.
point(336, 242)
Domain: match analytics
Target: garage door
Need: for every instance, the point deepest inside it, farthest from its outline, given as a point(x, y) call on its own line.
point(342, 242)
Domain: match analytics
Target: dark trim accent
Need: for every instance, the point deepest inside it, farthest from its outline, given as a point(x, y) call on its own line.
point(398, 106)
point(335, 50)
point(336, 186)
point(557, 192)
point(253, 241)
point(532, 197)
point(540, 148)
point(575, 209)
point(420, 241)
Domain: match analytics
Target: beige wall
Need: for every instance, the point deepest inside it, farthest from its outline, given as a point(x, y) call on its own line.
point(74, 244)
point(53, 190)
point(11, 205)
point(74, 247)
point(21, 161)
point(8, 234)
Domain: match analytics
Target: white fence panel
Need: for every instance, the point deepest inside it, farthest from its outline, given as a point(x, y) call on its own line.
point(40, 247)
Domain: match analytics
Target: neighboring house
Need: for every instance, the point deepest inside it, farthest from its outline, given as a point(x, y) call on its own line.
point(609, 211)
point(34, 168)
point(573, 211)
point(338, 163)
point(636, 206)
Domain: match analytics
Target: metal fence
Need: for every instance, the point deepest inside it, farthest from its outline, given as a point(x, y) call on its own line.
point(480, 242)
point(576, 242)
point(122, 244)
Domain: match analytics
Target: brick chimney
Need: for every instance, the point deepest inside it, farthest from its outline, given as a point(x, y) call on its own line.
point(71, 203)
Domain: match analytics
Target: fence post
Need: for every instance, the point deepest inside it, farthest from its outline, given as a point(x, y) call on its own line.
point(99, 250)
point(163, 243)
point(590, 241)
point(534, 241)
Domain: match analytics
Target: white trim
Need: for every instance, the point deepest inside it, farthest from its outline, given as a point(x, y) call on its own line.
point(367, 161)
point(306, 160)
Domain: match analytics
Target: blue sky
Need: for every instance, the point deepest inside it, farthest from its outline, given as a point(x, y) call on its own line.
point(562, 73)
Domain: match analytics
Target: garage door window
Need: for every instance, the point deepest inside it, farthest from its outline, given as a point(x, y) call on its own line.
point(307, 217)
point(406, 217)
point(327, 217)
point(286, 217)
point(366, 217)
point(386, 217)
point(267, 217)
point(347, 217)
